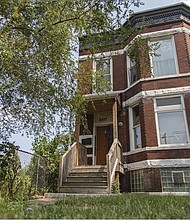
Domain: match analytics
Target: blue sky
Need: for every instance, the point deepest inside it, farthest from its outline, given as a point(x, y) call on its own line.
point(24, 142)
point(150, 4)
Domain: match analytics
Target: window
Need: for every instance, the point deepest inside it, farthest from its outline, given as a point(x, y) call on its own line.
point(163, 60)
point(131, 71)
point(103, 77)
point(171, 121)
point(178, 177)
point(136, 128)
point(175, 179)
point(137, 183)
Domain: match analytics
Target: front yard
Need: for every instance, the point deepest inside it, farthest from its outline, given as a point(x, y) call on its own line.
point(122, 206)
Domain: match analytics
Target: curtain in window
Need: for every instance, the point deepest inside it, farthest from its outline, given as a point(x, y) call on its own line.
point(164, 62)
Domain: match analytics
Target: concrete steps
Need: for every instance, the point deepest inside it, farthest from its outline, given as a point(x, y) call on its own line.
point(86, 180)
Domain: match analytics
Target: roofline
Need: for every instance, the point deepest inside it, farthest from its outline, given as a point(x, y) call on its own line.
point(160, 8)
point(179, 12)
point(156, 11)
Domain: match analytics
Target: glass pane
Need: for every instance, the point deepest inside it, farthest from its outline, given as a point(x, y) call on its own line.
point(168, 101)
point(172, 128)
point(136, 116)
point(137, 136)
point(132, 71)
point(163, 62)
point(103, 66)
point(103, 82)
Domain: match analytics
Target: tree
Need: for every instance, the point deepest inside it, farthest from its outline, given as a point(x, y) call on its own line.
point(44, 166)
point(10, 167)
point(38, 46)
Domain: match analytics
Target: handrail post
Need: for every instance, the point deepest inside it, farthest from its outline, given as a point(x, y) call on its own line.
point(114, 161)
point(115, 123)
point(77, 140)
point(60, 172)
point(108, 172)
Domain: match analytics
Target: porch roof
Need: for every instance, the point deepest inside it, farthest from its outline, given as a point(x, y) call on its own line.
point(102, 103)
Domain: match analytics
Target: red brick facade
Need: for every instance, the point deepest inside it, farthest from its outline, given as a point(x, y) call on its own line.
point(144, 92)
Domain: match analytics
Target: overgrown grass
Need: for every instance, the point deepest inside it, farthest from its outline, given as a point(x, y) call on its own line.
point(113, 207)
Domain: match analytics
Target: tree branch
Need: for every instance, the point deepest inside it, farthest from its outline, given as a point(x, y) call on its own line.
point(71, 19)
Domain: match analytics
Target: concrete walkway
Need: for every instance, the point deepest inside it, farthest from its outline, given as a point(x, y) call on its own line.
point(51, 198)
point(43, 201)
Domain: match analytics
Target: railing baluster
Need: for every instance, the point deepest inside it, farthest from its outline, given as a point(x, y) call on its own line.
point(68, 161)
point(113, 159)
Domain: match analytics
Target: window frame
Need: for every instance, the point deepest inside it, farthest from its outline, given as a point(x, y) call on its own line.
point(131, 129)
point(128, 71)
point(173, 178)
point(174, 54)
point(111, 73)
point(169, 109)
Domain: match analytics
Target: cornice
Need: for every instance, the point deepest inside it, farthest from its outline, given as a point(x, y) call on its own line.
point(172, 13)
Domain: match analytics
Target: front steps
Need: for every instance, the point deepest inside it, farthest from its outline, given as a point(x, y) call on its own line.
point(86, 180)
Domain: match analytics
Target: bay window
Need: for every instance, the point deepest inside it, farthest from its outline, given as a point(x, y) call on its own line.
point(131, 71)
point(163, 59)
point(136, 128)
point(172, 128)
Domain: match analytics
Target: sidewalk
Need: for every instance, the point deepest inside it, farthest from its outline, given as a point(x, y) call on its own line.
point(43, 201)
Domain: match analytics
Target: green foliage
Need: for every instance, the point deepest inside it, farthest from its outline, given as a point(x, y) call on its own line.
point(10, 167)
point(15, 184)
point(44, 167)
point(38, 46)
point(115, 187)
point(124, 206)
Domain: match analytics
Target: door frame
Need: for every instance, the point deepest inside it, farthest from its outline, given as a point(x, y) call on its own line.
point(94, 137)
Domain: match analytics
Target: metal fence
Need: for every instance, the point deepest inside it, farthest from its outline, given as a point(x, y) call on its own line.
point(35, 167)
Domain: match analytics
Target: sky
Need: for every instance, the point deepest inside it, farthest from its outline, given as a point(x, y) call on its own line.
point(150, 4)
point(24, 142)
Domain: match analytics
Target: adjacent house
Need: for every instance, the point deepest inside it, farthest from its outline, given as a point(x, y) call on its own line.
point(139, 132)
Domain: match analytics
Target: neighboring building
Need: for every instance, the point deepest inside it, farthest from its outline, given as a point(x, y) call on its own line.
point(147, 107)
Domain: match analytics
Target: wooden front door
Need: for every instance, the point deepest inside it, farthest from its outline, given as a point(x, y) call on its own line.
point(104, 139)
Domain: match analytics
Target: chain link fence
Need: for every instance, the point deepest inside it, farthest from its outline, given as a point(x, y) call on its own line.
point(34, 167)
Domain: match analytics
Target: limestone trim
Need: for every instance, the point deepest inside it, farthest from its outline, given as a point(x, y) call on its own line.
point(145, 35)
point(156, 93)
point(156, 148)
point(162, 163)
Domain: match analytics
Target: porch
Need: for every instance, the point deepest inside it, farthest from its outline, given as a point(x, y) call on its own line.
point(93, 164)
point(75, 176)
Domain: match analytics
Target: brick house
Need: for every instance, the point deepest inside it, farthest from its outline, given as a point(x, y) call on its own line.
point(146, 110)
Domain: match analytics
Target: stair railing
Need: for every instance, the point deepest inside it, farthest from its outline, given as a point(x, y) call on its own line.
point(114, 162)
point(69, 160)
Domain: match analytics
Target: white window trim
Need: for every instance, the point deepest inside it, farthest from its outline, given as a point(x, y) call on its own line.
point(175, 56)
point(172, 109)
point(128, 66)
point(178, 172)
point(111, 72)
point(131, 130)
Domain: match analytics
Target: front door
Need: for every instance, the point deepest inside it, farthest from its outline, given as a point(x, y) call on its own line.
point(104, 139)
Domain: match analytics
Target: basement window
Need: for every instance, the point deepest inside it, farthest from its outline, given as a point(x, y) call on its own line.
point(178, 177)
point(175, 179)
point(137, 181)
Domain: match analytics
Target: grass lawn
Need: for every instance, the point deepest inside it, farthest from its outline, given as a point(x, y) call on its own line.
point(114, 207)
